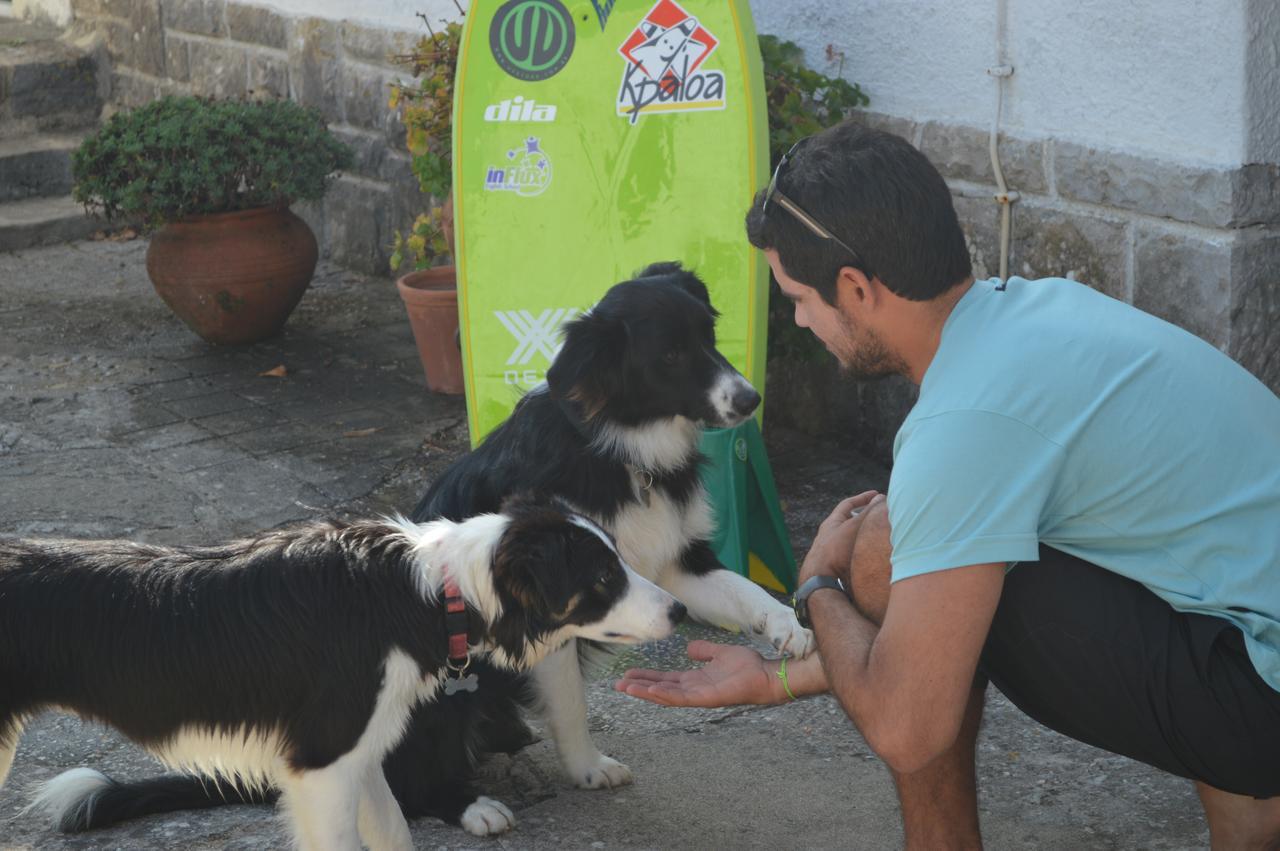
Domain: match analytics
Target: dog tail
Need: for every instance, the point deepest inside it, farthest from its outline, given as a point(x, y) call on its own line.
point(83, 799)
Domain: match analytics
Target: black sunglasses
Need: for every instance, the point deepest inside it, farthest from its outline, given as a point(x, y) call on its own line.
point(772, 194)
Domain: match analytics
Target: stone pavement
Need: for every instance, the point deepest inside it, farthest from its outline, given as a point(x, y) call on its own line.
point(117, 421)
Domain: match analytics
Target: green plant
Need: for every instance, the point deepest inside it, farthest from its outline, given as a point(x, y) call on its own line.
point(187, 156)
point(426, 109)
point(801, 102)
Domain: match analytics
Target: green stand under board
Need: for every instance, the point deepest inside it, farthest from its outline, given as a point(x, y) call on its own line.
point(592, 138)
point(752, 536)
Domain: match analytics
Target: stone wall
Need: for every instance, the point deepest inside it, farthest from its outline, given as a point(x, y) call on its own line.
point(222, 49)
point(1196, 245)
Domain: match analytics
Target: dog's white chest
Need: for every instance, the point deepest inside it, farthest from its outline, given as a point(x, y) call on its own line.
point(651, 535)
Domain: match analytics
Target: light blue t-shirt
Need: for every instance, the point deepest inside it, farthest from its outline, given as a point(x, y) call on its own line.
point(1052, 413)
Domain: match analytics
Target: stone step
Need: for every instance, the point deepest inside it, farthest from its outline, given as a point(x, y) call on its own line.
point(36, 166)
point(46, 85)
point(44, 221)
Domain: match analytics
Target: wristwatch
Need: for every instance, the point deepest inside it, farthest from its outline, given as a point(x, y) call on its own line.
point(800, 602)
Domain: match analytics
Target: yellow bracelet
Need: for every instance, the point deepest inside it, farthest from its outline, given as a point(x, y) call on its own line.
point(782, 675)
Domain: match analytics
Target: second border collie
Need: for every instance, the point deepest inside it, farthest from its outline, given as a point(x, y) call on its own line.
point(294, 659)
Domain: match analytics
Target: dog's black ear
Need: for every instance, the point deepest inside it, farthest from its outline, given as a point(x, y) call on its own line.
point(664, 267)
point(588, 367)
point(674, 272)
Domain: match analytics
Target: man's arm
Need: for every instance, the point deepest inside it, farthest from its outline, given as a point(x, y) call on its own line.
point(905, 683)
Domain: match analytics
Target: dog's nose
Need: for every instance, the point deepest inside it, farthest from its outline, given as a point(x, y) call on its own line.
point(678, 611)
point(745, 400)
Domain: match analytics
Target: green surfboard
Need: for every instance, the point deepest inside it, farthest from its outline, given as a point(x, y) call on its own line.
point(591, 139)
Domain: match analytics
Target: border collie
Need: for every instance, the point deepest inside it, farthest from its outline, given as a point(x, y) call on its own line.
point(614, 434)
point(294, 659)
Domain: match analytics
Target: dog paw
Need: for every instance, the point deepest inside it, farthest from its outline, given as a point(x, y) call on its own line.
point(787, 635)
point(607, 773)
point(487, 817)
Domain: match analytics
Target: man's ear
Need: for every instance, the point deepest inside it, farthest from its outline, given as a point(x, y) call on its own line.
point(855, 291)
point(589, 363)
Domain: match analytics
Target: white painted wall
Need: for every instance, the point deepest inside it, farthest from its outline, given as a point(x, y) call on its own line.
point(1179, 80)
point(393, 14)
point(57, 12)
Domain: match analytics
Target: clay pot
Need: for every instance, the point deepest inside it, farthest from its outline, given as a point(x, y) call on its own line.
point(431, 298)
point(233, 277)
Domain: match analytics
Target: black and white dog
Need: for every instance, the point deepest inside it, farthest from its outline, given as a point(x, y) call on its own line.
point(294, 659)
point(614, 434)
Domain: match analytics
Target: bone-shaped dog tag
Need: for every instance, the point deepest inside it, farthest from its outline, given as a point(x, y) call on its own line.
point(453, 685)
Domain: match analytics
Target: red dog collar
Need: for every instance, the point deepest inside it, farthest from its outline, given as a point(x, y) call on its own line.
point(455, 621)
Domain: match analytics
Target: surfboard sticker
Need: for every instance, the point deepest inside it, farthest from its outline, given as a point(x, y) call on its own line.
point(532, 39)
point(664, 69)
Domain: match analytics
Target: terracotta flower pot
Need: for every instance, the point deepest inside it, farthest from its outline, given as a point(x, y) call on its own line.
point(233, 277)
point(431, 298)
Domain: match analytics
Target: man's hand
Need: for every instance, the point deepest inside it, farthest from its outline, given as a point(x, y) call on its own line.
point(733, 675)
point(832, 551)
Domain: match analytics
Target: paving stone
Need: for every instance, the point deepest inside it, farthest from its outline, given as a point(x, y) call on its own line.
point(213, 403)
point(245, 419)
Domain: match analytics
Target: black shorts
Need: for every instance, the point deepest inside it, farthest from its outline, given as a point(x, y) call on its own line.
point(1101, 659)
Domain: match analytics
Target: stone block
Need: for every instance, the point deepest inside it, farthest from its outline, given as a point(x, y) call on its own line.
point(203, 17)
point(65, 83)
point(134, 90)
point(980, 220)
point(963, 153)
point(407, 200)
point(375, 45)
point(84, 9)
point(219, 70)
point(369, 150)
point(1186, 279)
point(816, 398)
point(177, 57)
point(1186, 193)
point(364, 96)
point(1053, 243)
point(315, 66)
point(312, 212)
point(904, 127)
point(356, 228)
point(138, 44)
point(1255, 195)
point(256, 25)
point(268, 75)
point(1255, 305)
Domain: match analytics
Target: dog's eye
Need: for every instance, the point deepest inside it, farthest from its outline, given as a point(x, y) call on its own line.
point(603, 580)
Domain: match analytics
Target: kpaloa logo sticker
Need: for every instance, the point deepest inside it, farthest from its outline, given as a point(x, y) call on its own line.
point(664, 70)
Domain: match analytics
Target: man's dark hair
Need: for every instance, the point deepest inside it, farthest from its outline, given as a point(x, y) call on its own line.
point(877, 193)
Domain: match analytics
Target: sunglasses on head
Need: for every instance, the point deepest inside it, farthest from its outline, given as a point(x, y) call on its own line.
point(773, 195)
